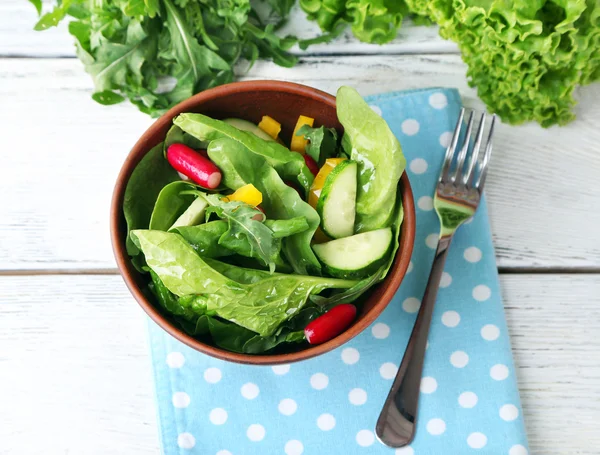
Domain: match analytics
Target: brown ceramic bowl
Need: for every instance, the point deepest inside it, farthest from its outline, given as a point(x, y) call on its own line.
point(283, 101)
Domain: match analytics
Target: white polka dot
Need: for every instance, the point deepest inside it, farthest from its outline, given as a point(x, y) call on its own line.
point(432, 240)
point(280, 369)
point(481, 293)
point(212, 375)
point(404, 451)
point(509, 412)
point(319, 381)
point(410, 267)
point(477, 440)
point(438, 100)
point(436, 427)
point(411, 305)
point(287, 406)
point(175, 359)
point(294, 447)
point(250, 391)
point(181, 400)
point(499, 372)
point(388, 370)
point(326, 422)
point(224, 452)
point(445, 139)
point(218, 416)
point(428, 384)
point(357, 397)
point(450, 318)
point(255, 432)
point(446, 280)
point(376, 109)
point(410, 127)
point(459, 359)
point(518, 450)
point(490, 332)
point(186, 441)
point(472, 254)
point(418, 166)
point(365, 438)
point(380, 330)
point(350, 356)
point(467, 399)
point(425, 203)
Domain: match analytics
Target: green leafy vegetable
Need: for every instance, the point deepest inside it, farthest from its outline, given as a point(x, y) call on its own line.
point(244, 229)
point(261, 306)
point(204, 238)
point(322, 142)
point(149, 177)
point(369, 141)
point(172, 201)
point(240, 167)
point(287, 228)
point(290, 165)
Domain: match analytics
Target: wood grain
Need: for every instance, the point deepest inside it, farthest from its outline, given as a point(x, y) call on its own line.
point(65, 151)
point(76, 379)
point(18, 39)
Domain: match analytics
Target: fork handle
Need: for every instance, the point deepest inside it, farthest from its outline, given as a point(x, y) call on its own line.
point(396, 423)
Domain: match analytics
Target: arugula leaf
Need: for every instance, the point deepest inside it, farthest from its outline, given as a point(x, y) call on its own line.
point(261, 306)
point(135, 8)
point(38, 5)
point(107, 97)
point(148, 178)
point(290, 165)
point(322, 142)
point(52, 18)
point(244, 226)
point(240, 167)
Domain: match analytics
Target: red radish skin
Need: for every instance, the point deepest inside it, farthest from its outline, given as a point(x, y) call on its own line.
point(194, 165)
point(311, 164)
point(331, 324)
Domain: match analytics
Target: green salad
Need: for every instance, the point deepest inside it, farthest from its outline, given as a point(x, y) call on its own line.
point(255, 247)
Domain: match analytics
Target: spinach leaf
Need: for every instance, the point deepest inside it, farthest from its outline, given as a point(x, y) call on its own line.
point(244, 229)
point(204, 238)
point(240, 167)
point(322, 142)
point(286, 228)
point(370, 142)
point(290, 165)
point(172, 201)
point(148, 178)
point(261, 306)
point(175, 135)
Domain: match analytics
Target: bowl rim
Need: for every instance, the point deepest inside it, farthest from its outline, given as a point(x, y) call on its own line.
point(144, 144)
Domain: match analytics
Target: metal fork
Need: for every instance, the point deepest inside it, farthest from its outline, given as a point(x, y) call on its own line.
point(457, 196)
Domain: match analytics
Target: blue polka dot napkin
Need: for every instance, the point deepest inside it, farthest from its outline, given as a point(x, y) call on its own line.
point(329, 405)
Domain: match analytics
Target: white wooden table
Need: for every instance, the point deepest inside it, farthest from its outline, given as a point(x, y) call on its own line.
point(74, 370)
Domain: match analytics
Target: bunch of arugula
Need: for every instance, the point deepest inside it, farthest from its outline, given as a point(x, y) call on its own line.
point(157, 53)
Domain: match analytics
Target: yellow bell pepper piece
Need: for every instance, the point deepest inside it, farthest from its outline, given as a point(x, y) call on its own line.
point(270, 126)
point(319, 181)
point(298, 143)
point(248, 194)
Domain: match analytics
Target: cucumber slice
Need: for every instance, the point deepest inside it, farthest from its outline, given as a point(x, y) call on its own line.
point(356, 256)
point(245, 125)
point(192, 215)
point(337, 202)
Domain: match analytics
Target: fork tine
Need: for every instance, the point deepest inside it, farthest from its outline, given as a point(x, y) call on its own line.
point(451, 148)
point(486, 157)
point(460, 161)
point(468, 178)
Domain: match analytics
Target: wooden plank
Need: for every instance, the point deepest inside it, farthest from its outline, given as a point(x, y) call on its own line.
point(18, 39)
point(65, 152)
point(76, 376)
